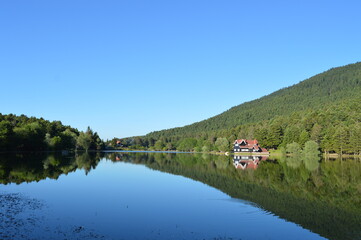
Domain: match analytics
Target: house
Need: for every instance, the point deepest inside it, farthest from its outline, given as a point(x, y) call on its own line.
point(118, 143)
point(247, 146)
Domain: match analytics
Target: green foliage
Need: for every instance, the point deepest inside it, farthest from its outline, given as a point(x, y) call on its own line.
point(56, 142)
point(205, 148)
point(304, 137)
point(311, 149)
point(293, 148)
point(222, 144)
point(292, 134)
point(316, 133)
point(69, 139)
point(21, 133)
point(159, 145)
point(169, 146)
point(6, 133)
point(197, 149)
point(274, 136)
point(89, 140)
point(355, 138)
point(187, 144)
point(84, 141)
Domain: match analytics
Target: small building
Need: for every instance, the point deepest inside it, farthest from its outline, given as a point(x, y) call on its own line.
point(118, 143)
point(247, 146)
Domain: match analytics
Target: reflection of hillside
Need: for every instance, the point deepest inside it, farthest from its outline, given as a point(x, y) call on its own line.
point(323, 199)
point(21, 168)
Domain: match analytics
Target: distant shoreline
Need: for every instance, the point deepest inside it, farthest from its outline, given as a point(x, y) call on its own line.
point(328, 155)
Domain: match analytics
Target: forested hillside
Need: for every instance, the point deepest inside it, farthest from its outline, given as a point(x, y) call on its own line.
point(323, 89)
point(325, 108)
point(22, 133)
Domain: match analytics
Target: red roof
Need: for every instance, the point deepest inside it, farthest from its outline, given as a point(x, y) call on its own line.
point(247, 141)
point(252, 142)
point(247, 164)
point(249, 144)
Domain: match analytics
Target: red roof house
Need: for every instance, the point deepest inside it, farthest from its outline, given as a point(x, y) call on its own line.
point(247, 145)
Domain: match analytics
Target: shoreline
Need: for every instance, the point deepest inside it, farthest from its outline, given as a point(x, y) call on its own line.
point(270, 154)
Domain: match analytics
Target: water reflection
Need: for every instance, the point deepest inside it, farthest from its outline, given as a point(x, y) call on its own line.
point(247, 162)
point(322, 196)
point(312, 162)
point(21, 168)
point(325, 201)
point(294, 161)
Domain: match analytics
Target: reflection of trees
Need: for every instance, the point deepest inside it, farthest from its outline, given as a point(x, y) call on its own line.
point(310, 156)
point(311, 162)
point(222, 162)
point(35, 167)
point(51, 160)
point(87, 161)
point(294, 161)
point(332, 180)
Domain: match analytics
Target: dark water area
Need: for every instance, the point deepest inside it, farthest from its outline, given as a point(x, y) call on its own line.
point(145, 195)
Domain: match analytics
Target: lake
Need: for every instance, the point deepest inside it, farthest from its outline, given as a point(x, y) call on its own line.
point(147, 195)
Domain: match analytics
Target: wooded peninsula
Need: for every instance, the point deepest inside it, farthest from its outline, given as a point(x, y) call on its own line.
point(22, 133)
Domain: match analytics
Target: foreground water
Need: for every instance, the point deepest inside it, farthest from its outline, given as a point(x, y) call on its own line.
point(130, 195)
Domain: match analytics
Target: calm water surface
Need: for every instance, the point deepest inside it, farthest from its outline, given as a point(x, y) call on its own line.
point(177, 196)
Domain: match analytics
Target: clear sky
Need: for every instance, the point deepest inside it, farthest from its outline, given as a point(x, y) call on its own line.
point(127, 68)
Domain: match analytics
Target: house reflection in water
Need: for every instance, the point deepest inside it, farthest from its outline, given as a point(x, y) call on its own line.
point(248, 162)
point(118, 158)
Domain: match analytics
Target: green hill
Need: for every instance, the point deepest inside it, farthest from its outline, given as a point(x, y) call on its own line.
point(299, 110)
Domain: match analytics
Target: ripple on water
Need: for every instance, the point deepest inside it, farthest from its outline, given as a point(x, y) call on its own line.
point(23, 218)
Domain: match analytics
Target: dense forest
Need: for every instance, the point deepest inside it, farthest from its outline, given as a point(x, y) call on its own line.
point(22, 133)
point(325, 108)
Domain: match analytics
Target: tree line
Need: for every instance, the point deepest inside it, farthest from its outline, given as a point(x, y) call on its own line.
point(22, 133)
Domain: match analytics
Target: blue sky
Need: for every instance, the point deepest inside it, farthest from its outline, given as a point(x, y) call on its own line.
point(127, 68)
